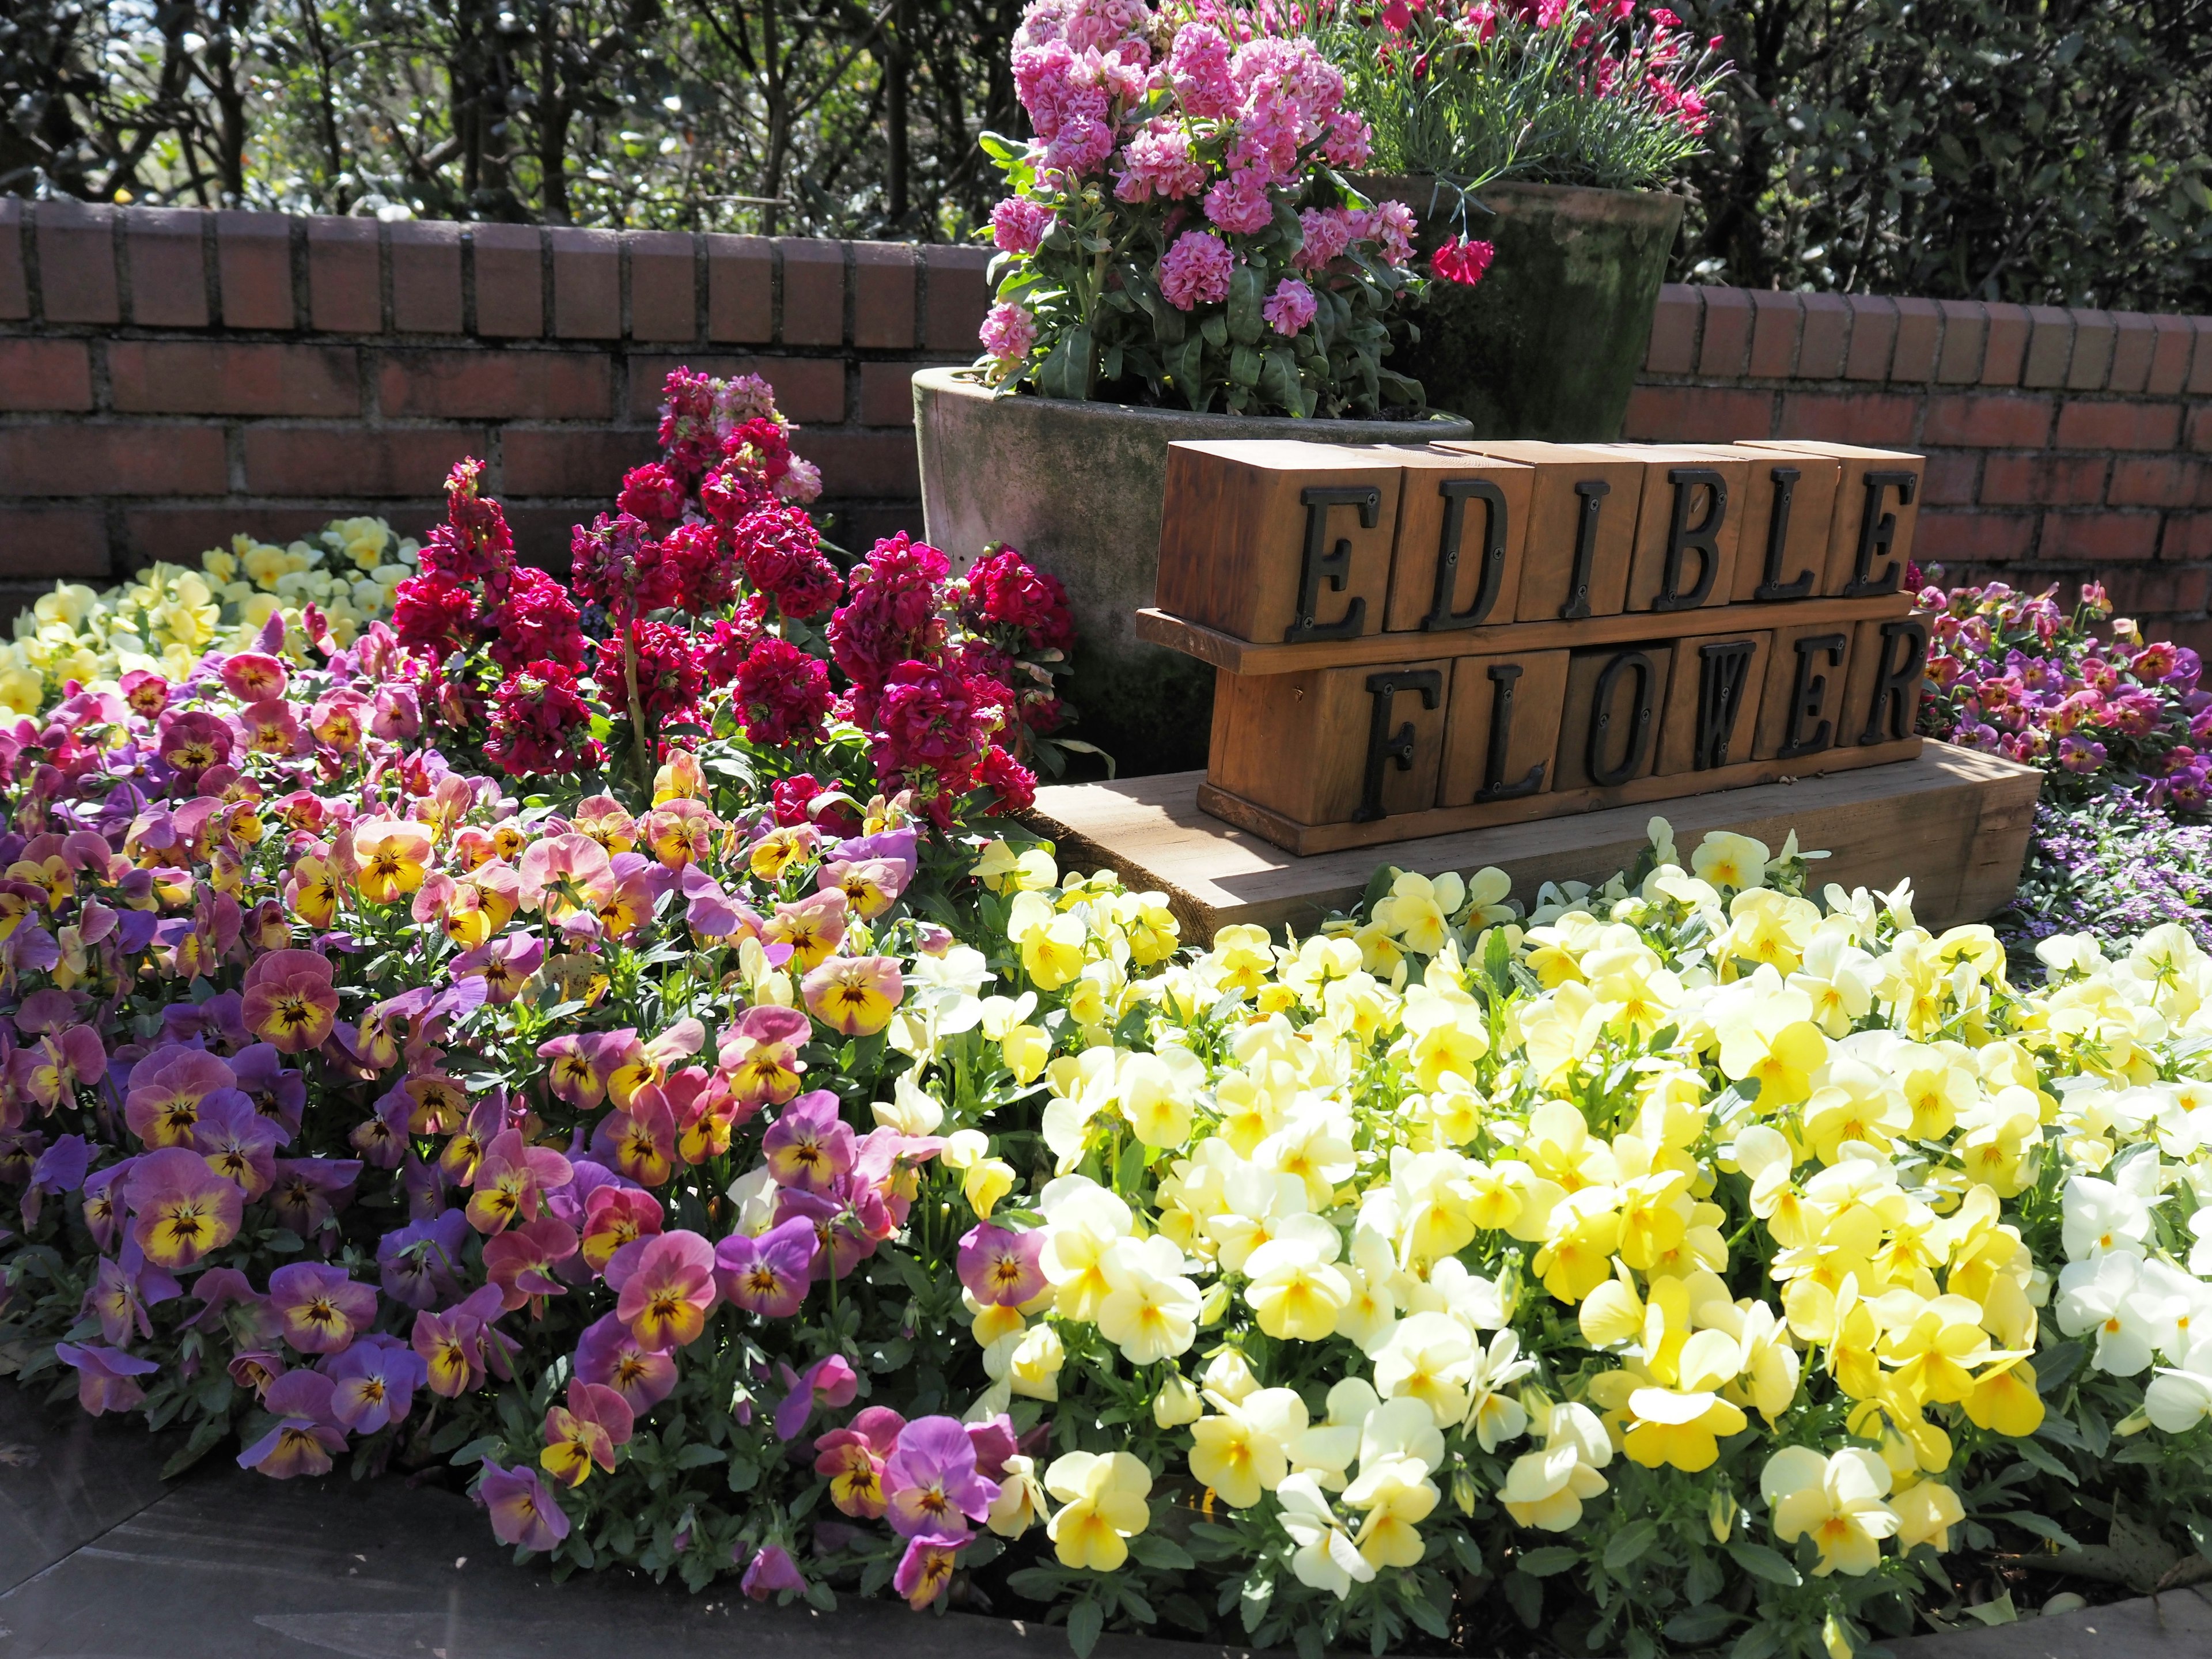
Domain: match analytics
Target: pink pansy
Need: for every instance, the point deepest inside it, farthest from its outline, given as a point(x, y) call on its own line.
point(829, 1382)
point(614, 1217)
point(184, 1208)
point(374, 1382)
point(167, 1088)
point(510, 1181)
point(106, 1378)
point(578, 1067)
point(669, 1292)
point(608, 1353)
point(319, 1309)
point(767, 1275)
point(852, 1457)
point(809, 1144)
point(770, 1573)
point(520, 1260)
point(306, 1435)
point(760, 1053)
point(1002, 1268)
point(926, 1567)
point(523, 1512)
point(238, 1144)
point(639, 1142)
point(930, 1483)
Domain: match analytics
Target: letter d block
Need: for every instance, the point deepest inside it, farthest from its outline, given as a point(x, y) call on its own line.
point(1277, 542)
point(1333, 745)
point(1503, 736)
point(1462, 528)
point(1609, 725)
point(1583, 504)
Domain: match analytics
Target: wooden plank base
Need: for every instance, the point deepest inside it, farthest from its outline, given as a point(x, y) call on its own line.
point(1953, 820)
point(1307, 839)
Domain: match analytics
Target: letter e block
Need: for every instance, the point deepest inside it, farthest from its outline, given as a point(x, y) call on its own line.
point(1877, 506)
point(1801, 713)
point(1889, 663)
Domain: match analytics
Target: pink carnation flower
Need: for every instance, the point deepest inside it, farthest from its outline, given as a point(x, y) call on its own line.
point(1195, 271)
point(1240, 204)
point(1017, 225)
point(1291, 307)
point(1008, 332)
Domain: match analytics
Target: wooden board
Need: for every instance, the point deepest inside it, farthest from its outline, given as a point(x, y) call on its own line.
point(1953, 820)
point(1238, 656)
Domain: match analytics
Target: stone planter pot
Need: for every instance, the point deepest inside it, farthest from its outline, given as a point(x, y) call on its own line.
point(1077, 488)
point(1549, 345)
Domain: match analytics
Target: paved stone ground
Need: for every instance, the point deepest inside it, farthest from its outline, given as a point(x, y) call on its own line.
point(99, 1559)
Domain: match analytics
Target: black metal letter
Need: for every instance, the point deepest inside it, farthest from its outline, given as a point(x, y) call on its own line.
point(1322, 563)
point(1877, 532)
point(1703, 539)
point(1722, 669)
point(1893, 678)
point(1456, 493)
point(1809, 692)
point(1770, 585)
point(1639, 740)
point(1494, 786)
point(1384, 745)
point(1593, 492)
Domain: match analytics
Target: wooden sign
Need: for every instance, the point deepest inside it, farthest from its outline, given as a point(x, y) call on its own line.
point(1410, 642)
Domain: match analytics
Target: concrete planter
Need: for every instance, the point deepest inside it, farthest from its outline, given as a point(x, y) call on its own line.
point(1549, 344)
point(1077, 487)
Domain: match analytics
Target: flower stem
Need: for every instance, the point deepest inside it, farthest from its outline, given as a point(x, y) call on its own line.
point(643, 759)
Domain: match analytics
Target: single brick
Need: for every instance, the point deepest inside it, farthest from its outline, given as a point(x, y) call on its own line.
point(1952, 539)
point(2158, 590)
point(2135, 337)
point(1776, 320)
point(569, 462)
point(1873, 337)
point(586, 284)
point(2118, 426)
point(426, 277)
point(813, 291)
point(2092, 362)
point(2200, 370)
point(1951, 478)
point(1674, 348)
point(1919, 334)
point(1697, 414)
point(168, 267)
point(178, 535)
point(1987, 420)
point(865, 465)
point(2007, 351)
point(510, 278)
point(2106, 535)
point(15, 283)
point(195, 377)
point(467, 384)
point(2188, 536)
point(95, 458)
point(2050, 346)
point(1880, 420)
point(342, 462)
point(664, 286)
point(959, 297)
point(1725, 349)
point(2200, 429)
point(1966, 328)
point(884, 295)
point(253, 264)
point(76, 262)
point(887, 393)
point(45, 374)
point(2156, 481)
point(45, 544)
point(2041, 479)
point(741, 289)
point(344, 287)
point(808, 389)
point(2169, 357)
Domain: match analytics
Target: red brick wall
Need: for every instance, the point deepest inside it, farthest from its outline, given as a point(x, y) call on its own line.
point(170, 377)
point(2062, 445)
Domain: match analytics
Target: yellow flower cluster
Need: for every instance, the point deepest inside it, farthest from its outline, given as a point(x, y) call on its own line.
point(1694, 1170)
point(166, 618)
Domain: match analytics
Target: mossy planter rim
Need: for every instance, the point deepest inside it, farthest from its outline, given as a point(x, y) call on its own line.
point(1384, 427)
point(1604, 203)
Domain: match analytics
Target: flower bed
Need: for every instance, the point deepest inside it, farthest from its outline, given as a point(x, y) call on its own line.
point(727, 1150)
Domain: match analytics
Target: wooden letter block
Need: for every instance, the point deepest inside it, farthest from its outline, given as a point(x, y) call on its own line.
point(1462, 528)
point(1332, 746)
point(1686, 527)
point(1609, 725)
point(1801, 713)
point(1877, 506)
point(1881, 699)
point(1503, 729)
point(1582, 505)
point(1789, 506)
point(1713, 702)
point(1275, 541)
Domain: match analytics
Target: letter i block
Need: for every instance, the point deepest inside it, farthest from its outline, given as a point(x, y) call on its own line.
point(1462, 528)
point(1582, 505)
point(1609, 725)
point(1881, 698)
point(1802, 713)
point(1877, 506)
point(1277, 542)
point(1712, 702)
point(1503, 731)
point(1687, 526)
point(1789, 508)
point(1332, 746)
